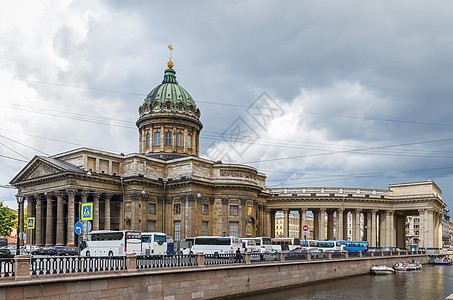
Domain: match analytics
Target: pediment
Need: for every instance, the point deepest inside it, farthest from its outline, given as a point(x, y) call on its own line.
point(42, 170)
point(40, 167)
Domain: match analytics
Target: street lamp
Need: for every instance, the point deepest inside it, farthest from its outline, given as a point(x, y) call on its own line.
point(19, 200)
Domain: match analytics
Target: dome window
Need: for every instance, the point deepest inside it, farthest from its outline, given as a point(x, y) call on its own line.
point(168, 106)
point(180, 107)
point(157, 107)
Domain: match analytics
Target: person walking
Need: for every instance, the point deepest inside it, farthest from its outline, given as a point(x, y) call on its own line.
point(262, 252)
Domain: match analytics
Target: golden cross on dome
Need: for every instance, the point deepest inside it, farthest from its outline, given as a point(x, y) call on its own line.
point(170, 63)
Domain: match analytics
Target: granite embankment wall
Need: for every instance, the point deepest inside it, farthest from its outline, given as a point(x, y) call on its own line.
point(192, 282)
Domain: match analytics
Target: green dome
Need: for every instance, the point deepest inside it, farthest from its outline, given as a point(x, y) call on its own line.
point(169, 97)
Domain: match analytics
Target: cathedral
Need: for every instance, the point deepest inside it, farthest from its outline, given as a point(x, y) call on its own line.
point(165, 187)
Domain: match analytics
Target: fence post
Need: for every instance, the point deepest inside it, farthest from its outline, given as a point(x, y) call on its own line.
point(360, 253)
point(372, 253)
point(131, 262)
point(200, 259)
point(308, 255)
point(22, 267)
point(346, 254)
point(329, 255)
point(282, 256)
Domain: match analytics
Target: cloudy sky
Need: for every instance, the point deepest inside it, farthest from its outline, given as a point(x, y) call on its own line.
point(314, 94)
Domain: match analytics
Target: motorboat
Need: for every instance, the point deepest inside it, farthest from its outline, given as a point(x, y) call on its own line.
point(382, 270)
point(442, 261)
point(407, 266)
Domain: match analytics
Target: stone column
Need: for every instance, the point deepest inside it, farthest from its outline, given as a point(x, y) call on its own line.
point(96, 211)
point(345, 225)
point(356, 231)
point(422, 228)
point(60, 225)
point(285, 223)
point(315, 224)
point(49, 221)
point(430, 228)
point(303, 216)
point(392, 242)
point(107, 221)
point(272, 224)
point(373, 241)
point(267, 222)
point(71, 217)
point(368, 227)
point(340, 220)
point(39, 219)
point(322, 224)
point(330, 225)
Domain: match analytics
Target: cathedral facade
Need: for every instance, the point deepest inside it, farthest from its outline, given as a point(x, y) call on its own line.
point(165, 187)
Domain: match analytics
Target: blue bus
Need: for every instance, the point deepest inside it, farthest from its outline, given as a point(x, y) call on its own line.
point(355, 246)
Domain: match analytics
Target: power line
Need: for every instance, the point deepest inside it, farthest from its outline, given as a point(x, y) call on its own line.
point(223, 103)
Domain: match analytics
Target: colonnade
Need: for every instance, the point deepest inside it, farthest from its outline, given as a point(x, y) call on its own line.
point(380, 227)
point(56, 213)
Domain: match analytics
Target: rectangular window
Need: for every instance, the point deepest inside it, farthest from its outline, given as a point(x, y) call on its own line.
point(151, 226)
point(233, 210)
point(234, 228)
point(177, 209)
point(204, 209)
point(179, 140)
point(189, 141)
point(167, 138)
point(147, 140)
point(152, 208)
point(177, 230)
point(156, 138)
point(204, 228)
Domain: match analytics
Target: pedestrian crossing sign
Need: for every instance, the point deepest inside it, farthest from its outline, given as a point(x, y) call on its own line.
point(30, 223)
point(87, 211)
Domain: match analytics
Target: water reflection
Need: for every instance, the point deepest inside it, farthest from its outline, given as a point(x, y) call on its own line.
point(433, 282)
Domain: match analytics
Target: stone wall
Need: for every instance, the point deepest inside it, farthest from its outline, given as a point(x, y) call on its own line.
point(193, 282)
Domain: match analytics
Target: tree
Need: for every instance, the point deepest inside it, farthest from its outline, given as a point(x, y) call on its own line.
point(7, 220)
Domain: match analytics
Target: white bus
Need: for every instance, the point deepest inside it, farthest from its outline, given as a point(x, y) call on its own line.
point(330, 246)
point(254, 244)
point(112, 243)
point(216, 245)
point(309, 245)
point(154, 243)
point(279, 244)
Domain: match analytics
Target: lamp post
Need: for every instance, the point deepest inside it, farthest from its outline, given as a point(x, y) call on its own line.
point(124, 201)
point(19, 200)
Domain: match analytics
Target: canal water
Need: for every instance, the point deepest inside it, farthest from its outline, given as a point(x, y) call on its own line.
point(432, 282)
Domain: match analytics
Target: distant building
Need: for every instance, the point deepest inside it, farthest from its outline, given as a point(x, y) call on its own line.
point(446, 233)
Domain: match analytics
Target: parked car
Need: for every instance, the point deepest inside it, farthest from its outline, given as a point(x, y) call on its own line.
point(374, 249)
point(67, 250)
point(296, 254)
point(387, 249)
point(5, 253)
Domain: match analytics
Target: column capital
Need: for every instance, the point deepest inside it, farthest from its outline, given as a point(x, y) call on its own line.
point(48, 194)
point(285, 210)
point(225, 201)
point(421, 211)
point(108, 196)
point(71, 192)
point(359, 210)
point(85, 193)
point(340, 209)
point(374, 211)
point(322, 209)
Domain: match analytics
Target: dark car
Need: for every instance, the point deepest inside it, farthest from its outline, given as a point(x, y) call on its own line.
point(296, 254)
point(5, 253)
point(67, 251)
